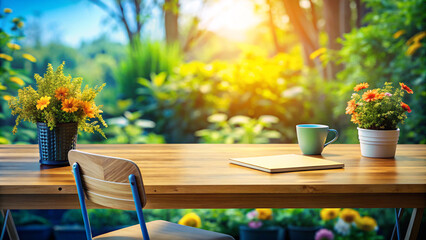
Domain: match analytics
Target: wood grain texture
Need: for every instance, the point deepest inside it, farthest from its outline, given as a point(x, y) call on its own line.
point(199, 175)
point(105, 179)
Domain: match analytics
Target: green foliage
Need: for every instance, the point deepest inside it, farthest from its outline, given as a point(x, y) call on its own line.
point(298, 217)
point(99, 218)
point(131, 129)
point(11, 79)
point(255, 85)
point(45, 105)
point(25, 218)
point(376, 54)
point(145, 58)
point(239, 129)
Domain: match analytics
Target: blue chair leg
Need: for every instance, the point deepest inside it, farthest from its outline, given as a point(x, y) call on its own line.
point(3, 231)
point(77, 176)
point(138, 205)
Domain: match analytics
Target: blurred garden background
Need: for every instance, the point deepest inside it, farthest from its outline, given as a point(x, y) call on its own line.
point(217, 71)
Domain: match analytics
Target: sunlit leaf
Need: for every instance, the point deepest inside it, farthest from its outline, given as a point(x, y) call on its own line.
point(239, 119)
point(218, 117)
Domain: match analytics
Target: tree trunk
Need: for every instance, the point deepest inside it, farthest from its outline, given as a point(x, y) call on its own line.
point(361, 10)
point(303, 28)
point(272, 27)
point(337, 16)
point(171, 24)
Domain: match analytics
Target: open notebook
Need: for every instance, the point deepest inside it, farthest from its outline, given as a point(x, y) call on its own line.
point(285, 163)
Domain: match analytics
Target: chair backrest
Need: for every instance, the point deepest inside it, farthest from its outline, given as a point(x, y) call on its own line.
point(105, 179)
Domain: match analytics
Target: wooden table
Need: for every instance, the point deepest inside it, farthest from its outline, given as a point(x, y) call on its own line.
point(199, 176)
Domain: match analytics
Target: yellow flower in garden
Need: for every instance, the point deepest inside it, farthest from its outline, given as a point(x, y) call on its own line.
point(15, 20)
point(264, 213)
point(329, 213)
point(7, 10)
point(17, 80)
point(366, 223)
point(2, 87)
point(29, 57)
point(190, 219)
point(20, 24)
point(70, 105)
point(88, 109)
point(413, 48)
point(416, 38)
point(13, 46)
point(349, 215)
point(6, 57)
point(43, 102)
point(398, 34)
point(61, 93)
point(7, 97)
point(317, 53)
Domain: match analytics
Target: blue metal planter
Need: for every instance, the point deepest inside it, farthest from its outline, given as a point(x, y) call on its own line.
point(55, 144)
point(296, 233)
point(269, 233)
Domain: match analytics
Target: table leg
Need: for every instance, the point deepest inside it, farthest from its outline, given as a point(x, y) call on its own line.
point(10, 225)
point(414, 226)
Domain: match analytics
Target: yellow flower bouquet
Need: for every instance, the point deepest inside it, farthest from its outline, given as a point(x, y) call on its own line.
point(60, 108)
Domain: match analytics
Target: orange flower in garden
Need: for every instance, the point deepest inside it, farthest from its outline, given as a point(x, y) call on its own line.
point(372, 95)
point(405, 107)
point(398, 34)
point(70, 105)
point(43, 102)
point(61, 93)
point(354, 118)
point(361, 86)
point(88, 109)
point(406, 88)
point(351, 107)
point(264, 213)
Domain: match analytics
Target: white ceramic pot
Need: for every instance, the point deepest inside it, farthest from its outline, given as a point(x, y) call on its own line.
point(378, 143)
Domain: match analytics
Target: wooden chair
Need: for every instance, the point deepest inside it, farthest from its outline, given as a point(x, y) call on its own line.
point(117, 183)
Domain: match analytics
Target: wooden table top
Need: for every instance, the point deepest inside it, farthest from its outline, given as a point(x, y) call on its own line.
point(199, 175)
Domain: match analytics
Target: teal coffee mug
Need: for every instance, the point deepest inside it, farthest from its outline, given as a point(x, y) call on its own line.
point(311, 137)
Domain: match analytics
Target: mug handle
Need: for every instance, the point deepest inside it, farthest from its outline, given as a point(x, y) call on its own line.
point(335, 138)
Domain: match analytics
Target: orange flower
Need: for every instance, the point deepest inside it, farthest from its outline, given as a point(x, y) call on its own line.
point(354, 118)
point(351, 107)
point(405, 107)
point(361, 86)
point(43, 102)
point(372, 95)
point(406, 88)
point(88, 109)
point(70, 105)
point(61, 93)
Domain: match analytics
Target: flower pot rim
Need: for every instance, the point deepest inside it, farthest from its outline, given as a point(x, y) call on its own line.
point(245, 227)
point(380, 130)
point(303, 227)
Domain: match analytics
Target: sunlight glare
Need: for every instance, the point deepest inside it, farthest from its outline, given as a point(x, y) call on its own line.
point(230, 19)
